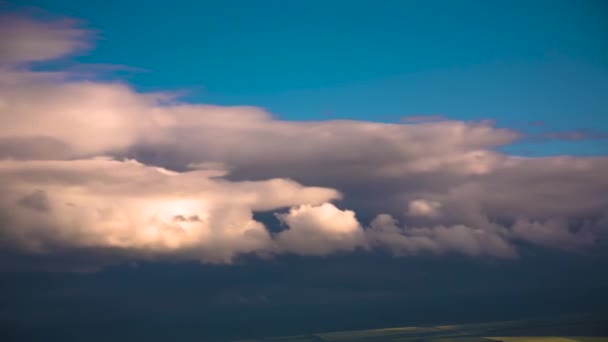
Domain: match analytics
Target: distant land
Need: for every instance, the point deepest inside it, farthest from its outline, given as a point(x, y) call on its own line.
point(562, 329)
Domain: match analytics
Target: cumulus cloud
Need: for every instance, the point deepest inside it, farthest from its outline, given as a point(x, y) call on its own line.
point(128, 205)
point(74, 118)
point(185, 179)
point(385, 232)
point(554, 233)
point(320, 230)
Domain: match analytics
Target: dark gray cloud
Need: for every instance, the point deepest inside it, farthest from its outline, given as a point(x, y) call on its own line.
point(37, 200)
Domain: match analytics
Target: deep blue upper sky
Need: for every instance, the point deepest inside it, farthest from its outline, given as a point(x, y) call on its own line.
point(512, 61)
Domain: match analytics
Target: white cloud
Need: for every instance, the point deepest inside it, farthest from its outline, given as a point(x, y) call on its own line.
point(461, 195)
point(421, 207)
point(320, 230)
point(128, 205)
point(81, 117)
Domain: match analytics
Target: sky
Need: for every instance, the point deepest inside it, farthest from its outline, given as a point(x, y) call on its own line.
point(518, 63)
point(239, 166)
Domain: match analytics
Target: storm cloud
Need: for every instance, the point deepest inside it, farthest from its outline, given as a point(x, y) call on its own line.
point(90, 164)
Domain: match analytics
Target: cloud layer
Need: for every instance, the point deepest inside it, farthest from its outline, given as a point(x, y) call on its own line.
point(184, 180)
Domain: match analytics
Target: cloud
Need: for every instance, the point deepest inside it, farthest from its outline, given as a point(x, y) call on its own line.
point(423, 118)
point(577, 135)
point(554, 233)
point(26, 40)
point(183, 180)
point(74, 118)
point(420, 207)
point(94, 203)
point(384, 232)
point(36, 200)
point(320, 230)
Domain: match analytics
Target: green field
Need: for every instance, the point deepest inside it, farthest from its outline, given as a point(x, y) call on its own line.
point(571, 329)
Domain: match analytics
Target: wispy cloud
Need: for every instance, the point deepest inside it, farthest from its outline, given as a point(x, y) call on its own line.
point(423, 118)
point(576, 135)
point(25, 40)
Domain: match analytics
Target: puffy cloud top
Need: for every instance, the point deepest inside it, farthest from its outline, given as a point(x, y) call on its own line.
point(320, 230)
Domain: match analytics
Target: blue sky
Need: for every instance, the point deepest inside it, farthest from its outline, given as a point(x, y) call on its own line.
point(514, 62)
